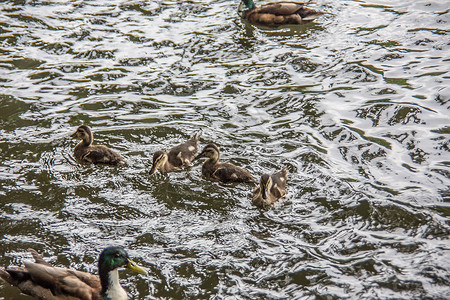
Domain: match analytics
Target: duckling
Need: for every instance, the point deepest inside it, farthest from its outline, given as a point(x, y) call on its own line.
point(97, 154)
point(270, 189)
point(176, 158)
point(278, 13)
point(41, 280)
point(225, 172)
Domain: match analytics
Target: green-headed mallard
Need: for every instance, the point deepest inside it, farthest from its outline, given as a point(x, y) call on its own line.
point(177, 158)
point(278, 13)
point(97, 154)
point(225, 172)
point(43, 281)
point(270, 189)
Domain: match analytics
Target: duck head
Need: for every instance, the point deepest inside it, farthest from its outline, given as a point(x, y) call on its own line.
point(210, 151)
point(159, 159)
point(83, 133)
point(265, 184)
point(111, 259)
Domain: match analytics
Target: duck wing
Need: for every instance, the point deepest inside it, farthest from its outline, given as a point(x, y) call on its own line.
point(282, 12)
point(20, 278)
point(279, 180)
point(64, 283)
point(183, 154)
point(227, 172)
point(100, 154)
point(280, 8)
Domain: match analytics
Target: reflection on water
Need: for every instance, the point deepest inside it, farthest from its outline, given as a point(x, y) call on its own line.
point(355, 105)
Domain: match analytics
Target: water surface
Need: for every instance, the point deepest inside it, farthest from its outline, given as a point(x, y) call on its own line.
point(356, 105)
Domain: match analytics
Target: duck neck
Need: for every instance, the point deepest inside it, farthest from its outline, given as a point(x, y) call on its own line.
point(249, 4)
point(214, 159)
point(82, 144)
point(88, 140)
point(165, 164)
point(111, 288)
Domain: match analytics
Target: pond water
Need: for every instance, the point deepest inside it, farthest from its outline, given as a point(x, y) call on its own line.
point(355, 105)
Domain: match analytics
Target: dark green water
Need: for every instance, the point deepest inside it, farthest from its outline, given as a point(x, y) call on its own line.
point(356, 106)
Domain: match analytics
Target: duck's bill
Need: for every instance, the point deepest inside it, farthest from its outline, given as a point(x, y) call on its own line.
point(134, 267)
point(198, 156)
point(153, 170)
point(73, 135)
point(264, 193)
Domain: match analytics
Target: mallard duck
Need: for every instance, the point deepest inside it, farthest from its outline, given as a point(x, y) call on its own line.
point(270, 188)
point(43, 281)
point(97, 154)
point(225, 172)
point(176, 158)
point(278, 13)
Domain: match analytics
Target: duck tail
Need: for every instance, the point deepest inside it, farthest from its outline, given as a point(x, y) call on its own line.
point(285, 172)
point(309, 14)
point(14, 275)
point(37, 257)
point(197, 136)
point(6, 276)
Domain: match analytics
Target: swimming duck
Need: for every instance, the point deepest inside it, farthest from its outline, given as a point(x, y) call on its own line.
point(97, 154)
point(278, 13)
point(225, 172)
point(176, 158)
point(41, 280)
point(270, 188)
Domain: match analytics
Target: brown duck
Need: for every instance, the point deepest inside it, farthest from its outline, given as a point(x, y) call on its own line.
point(278, 13)
point(225, 172)
point(177, 158)
point(270, 189)
point(97, 154)
point(43, 281)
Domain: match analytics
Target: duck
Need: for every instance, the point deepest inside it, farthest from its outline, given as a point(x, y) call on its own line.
point(85, 152)
point(270, 189)
point(277, 13)
point(222, 171)
point(44, 281)
point(179, 157)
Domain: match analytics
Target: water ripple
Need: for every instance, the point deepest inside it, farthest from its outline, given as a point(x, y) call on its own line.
point(354, 105)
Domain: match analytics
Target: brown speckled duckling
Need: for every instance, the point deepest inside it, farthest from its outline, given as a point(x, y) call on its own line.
point(270, 189)
point(225, 172)
point(85, 152)
point(177, 158)
point(278, 13)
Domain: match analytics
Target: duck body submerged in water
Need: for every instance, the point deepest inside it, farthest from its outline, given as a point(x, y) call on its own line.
point(177, 158)
point(223, 171)
point(278, 13)
point(270, 189)
point(85, 152)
